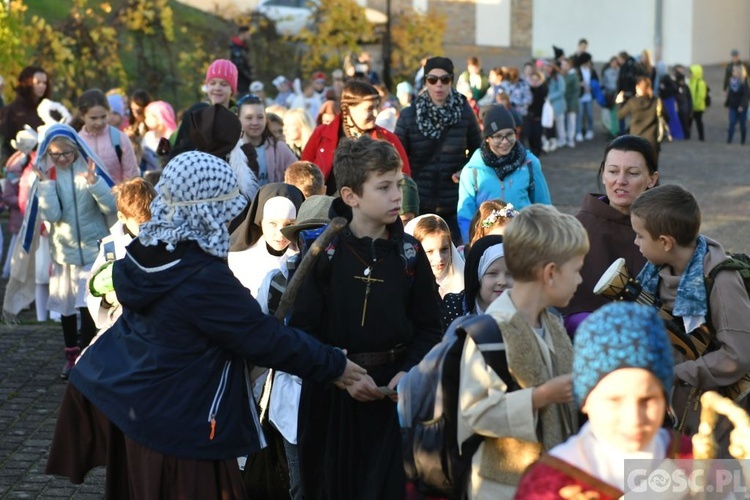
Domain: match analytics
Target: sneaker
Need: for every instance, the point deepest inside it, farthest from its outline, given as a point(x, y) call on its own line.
point(579, 137)
point(589, 135)
point(71, 355)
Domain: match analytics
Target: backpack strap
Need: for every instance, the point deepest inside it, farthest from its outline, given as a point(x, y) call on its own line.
point(532, 185)
point(114, 136)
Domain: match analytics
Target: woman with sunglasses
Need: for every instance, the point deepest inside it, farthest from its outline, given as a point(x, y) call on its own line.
point(501, 169)
point(437, 130)
point(273, 156)
point(360, 102)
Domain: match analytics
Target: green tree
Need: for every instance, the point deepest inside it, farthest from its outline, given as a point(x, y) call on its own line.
point(338, 28)
point(12, 34)
point(415, 35)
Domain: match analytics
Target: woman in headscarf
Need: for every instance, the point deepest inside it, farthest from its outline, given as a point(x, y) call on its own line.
point(438, 131)
point(359, 106)
point(446, 263)
point(502, 169)
point(258, 246)
point(164, 399)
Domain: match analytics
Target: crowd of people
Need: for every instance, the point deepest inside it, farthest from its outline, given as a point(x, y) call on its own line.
point(162, 241)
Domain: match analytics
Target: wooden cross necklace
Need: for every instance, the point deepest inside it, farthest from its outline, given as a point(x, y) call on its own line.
point(367, 278)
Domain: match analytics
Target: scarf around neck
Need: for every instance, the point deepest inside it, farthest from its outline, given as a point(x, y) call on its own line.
point(691, 297)
point(432, 119)
point(504, 165)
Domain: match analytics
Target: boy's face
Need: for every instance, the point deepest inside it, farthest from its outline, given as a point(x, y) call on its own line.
point(626, 409)
point(380, 201)
point(219, 91)
point(565, 281)
point(650, 247)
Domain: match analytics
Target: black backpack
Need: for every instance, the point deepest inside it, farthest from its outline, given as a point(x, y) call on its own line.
point(428, 408)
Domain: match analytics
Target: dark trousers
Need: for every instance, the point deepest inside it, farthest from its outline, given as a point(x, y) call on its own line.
point(736, 116)
point(698, 117)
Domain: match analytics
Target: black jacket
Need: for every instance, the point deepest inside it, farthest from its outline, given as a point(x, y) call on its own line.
point(238, 54)
point(431, 169)
point(737, 99)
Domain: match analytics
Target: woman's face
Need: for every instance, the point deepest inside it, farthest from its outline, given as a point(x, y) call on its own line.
point(438, 83)
point(272, 232)
point(626, 409)
point(363, 114)
point(438, 250)
point(493, 283)
point(502, 141)
point(152, 122)
point(39, 84)
point(253, 119)
point(625, 176)
point(62, 154)
point(95, 119)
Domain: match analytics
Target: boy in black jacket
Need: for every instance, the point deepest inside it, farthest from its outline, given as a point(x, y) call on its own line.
point(374, 295)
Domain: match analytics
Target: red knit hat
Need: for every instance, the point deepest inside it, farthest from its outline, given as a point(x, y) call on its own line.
point(224, 69)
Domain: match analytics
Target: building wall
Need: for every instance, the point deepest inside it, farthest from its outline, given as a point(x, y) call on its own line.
point(720, 26)
point(693, 31)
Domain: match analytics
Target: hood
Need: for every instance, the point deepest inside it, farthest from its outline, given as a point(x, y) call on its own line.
point(696, 70)
point(146, 274)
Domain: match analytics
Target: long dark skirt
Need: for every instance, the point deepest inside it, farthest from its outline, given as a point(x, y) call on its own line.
point(85, 439)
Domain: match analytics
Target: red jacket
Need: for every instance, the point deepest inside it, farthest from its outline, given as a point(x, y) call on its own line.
point(325, 139)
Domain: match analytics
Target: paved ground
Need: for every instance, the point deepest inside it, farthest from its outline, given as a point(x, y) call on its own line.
point(30, 390)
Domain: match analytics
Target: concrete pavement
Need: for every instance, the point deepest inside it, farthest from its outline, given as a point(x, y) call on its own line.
point(32, 354)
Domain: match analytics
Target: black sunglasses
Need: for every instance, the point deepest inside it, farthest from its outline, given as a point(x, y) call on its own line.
point(445, 79)
point(249, 99)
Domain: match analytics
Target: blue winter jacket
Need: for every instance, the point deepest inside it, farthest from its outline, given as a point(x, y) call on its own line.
point(178, 357)
point(480, 183)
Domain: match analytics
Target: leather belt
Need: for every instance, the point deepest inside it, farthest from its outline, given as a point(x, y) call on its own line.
point(372, 359)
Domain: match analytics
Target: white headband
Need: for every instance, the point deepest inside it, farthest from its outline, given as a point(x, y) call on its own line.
point(488, 257)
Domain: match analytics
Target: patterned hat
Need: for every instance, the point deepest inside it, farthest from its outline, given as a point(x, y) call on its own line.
point(224, 69)
point(620, 335)
point(198, 195)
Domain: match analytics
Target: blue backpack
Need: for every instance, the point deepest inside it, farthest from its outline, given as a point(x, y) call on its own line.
point(428, 408)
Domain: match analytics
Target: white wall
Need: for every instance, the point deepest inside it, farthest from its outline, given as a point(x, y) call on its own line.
point(609, 26)
point(677, 37)
point(720, 26)
point(493, 23)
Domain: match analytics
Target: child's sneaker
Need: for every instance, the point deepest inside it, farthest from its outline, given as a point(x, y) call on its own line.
point(579, 137)
point(589, 135)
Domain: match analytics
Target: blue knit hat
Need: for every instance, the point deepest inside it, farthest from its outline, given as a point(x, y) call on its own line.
point(620, 335)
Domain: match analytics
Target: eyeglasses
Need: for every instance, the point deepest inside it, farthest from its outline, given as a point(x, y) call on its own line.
point(444, 79)
point(63, 154)
point(499, 138)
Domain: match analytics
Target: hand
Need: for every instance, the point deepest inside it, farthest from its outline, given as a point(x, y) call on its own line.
point(620, 97)
point(365, 390)
point(41, 175)
point(90, 174)
point(394, 383)
point(456, 177)
point(555, 390)
point(352, 373)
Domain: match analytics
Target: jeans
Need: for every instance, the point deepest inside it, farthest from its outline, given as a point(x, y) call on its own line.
point(585, 114)
point(295, 478)
point(736, 116)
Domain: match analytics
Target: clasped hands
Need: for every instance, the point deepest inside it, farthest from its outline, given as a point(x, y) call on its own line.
point(361, 386)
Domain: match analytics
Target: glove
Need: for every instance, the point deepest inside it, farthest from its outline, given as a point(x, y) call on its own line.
point(101, 281)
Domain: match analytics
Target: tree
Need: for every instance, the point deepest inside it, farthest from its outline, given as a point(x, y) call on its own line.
point(415, 35)
point(338, 28)
point(12, 34)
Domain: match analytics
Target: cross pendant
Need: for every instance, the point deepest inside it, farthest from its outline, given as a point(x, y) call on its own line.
point(368, 280)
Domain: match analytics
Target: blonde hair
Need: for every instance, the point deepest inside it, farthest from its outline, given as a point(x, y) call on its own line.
point(538, 235)
point(301, 117)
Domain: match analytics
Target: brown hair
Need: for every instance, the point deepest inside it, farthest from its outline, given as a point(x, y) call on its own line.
point(134, 199)
point(430, 225)
point(355, 159)
point(477, 227)
point(306, 176)
point(25, 86)
point(669, 210)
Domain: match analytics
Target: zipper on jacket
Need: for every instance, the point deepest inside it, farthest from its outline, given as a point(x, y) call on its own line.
point(217, 398)
point(78, 223)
